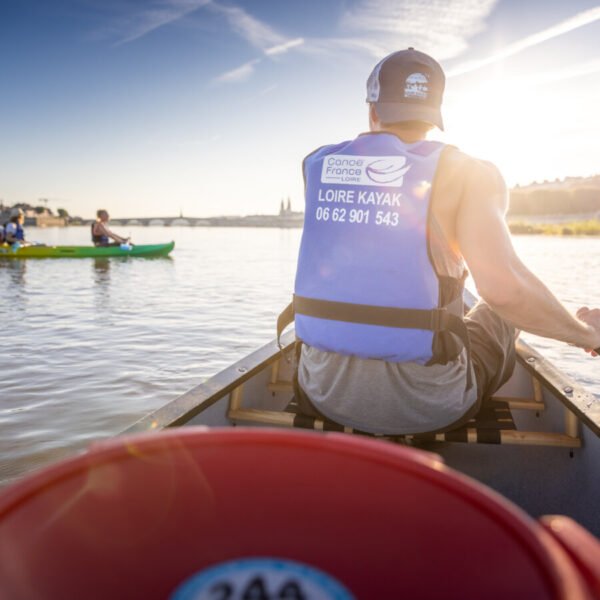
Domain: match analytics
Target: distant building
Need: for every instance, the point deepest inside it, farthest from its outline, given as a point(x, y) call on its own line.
point(35, 216)
point(288, 217)
point(285, 210)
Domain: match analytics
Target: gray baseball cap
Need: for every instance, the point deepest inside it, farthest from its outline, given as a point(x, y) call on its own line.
point(407, 86)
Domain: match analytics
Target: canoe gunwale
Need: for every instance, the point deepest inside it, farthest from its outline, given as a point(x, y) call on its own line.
point(576, 399)
point(187, 406)
point(203, 396)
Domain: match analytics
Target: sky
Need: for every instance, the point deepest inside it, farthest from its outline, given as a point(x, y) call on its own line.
point(207, 107)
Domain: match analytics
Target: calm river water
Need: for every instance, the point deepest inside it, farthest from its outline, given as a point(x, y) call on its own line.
point(89, 346)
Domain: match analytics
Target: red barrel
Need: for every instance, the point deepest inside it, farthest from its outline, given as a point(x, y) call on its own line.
point(138, 517)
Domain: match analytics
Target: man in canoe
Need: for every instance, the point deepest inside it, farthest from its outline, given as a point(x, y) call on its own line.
point(391, 219)
point(14, 233)
point(102, 235)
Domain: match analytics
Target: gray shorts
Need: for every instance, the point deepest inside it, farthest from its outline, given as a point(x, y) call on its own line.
point(492, 349)
point(493, 357)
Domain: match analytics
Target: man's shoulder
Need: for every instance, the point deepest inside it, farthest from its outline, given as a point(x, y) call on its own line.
point(467, 170)
point(457, 160)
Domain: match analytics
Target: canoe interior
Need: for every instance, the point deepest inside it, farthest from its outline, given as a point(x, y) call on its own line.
point(541, 479)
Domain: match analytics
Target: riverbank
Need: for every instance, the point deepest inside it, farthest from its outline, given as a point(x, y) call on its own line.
point(588, 227)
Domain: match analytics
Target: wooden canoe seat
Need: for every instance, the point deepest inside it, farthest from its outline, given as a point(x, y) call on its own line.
point(494, 424)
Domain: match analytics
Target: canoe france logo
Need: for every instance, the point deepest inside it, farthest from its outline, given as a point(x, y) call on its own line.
point(386, 170)
point(364, 170)
point(416, 86)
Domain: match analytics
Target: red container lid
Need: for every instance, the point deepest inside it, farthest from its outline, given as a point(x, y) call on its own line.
point(138, 516)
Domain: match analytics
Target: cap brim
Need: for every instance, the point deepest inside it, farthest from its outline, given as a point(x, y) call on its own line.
point(395, 112)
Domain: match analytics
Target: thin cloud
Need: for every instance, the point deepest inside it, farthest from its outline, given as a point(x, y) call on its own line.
point(164, 12)
point(572, 72)
point(282, 48)
point(262, 93)
point(575, 22)
point(267, 90)
point(256, 32)
point(343, 47)
point(159, 14)
point(438, 27)
point(238, 74)
point(539, 79)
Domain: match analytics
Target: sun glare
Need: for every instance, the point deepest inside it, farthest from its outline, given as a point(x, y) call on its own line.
point(505, 123)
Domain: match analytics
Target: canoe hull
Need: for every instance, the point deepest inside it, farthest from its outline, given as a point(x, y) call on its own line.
point(85, 251)
point(540, 479)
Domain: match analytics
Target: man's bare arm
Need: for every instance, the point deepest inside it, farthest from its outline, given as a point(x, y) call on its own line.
point(102, 229)
point(114, 236)
point(502, 280)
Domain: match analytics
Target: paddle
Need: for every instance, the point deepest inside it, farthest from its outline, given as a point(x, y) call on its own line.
point(16, 245)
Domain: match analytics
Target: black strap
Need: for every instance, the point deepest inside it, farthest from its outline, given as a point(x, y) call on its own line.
point(405, 318)
point(437, 319)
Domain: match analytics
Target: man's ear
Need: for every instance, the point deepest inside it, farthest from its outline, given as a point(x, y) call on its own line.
point(374, 121)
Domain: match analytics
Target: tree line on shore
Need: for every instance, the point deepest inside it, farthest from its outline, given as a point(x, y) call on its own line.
point(556, 199)
point(586, 227)
point(534, 209)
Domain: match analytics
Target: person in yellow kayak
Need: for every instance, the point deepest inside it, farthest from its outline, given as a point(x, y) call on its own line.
point(14, 233)
point(102, 235)
point(391, 221)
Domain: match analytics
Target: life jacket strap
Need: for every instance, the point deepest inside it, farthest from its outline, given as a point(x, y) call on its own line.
point(283, 320)
point(437, 319)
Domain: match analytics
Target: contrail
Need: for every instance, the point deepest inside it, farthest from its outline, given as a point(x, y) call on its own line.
point(579, 20)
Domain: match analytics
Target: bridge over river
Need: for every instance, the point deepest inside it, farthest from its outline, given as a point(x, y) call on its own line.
point(286, 220)
point(156, 221)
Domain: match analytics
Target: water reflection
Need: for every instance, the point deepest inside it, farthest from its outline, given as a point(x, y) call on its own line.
point(101, 277)
point(16, 270)
point(14, 287)
point(102, 269)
